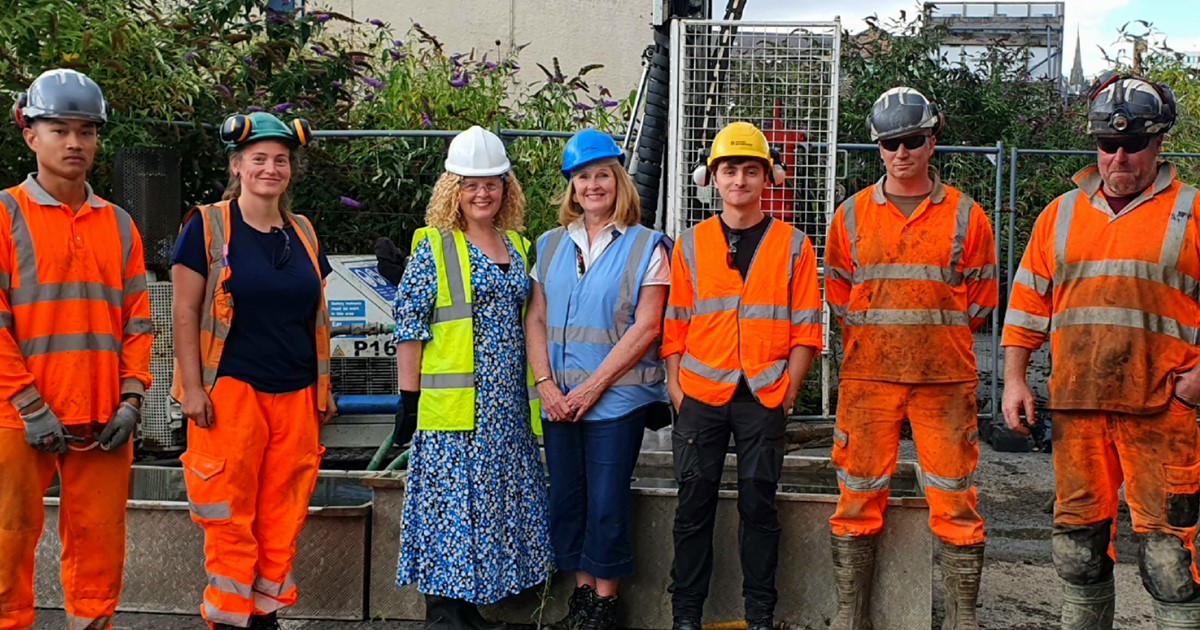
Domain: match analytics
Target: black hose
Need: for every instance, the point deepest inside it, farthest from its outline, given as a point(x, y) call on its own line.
point(652, 140)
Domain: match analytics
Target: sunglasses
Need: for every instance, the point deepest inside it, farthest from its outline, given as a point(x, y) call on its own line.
point(286, 255)
point(733, 243)
point(909, 142)
point(1131, 145)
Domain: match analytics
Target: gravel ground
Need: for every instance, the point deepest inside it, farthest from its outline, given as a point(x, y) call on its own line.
point(1020, 589)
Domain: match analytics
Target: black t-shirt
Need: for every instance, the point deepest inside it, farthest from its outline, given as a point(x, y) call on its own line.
point(746, 242)
point(271, 344)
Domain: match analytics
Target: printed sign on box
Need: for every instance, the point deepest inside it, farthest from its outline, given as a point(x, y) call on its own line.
point(370, 276)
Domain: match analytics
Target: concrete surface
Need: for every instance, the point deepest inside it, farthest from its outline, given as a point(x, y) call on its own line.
point(1020, 589)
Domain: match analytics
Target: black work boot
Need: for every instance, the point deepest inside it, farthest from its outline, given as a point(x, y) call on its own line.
point(603, 613)
point(443, 613)
point(471, 616)
point(226, 626)
point(765, 623)
point(264, 622)
point(686, 623)
point(579, 606)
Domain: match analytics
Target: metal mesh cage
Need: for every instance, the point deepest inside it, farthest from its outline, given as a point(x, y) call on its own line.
point(363, 375)
point(147, 183)
point(782, 77)
point(162, 428)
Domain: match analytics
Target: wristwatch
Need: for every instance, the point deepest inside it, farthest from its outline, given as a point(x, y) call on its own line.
point(137, 398)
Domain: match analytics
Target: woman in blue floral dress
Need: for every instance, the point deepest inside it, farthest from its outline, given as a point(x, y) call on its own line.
point(474, 523)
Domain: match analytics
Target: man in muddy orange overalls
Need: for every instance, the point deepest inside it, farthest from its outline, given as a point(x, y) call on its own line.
point(1111, 276)
point(910, 274)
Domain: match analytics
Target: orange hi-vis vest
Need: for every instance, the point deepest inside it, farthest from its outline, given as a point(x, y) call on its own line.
point(727, 329)
point(1115, 292)
point(216, 315)
point(75, 322)
point(909, 291)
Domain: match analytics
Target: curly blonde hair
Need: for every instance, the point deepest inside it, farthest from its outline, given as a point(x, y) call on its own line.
point(628, 209)
point(443, 211)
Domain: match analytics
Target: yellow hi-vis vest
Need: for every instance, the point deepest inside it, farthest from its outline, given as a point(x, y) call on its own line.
point(448, 359)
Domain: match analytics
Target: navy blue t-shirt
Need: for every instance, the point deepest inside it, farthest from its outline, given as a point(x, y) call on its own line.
point(271, 344)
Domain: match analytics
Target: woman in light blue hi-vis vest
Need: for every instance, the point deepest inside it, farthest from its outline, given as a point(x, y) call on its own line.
point(593, 328)
point(474, 522)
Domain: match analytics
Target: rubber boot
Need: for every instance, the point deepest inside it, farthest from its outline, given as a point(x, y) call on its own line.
point(602, 615)
point(579, 606)
point(1176, 616)
point(961, 570)
point(854, 570)
point(1088, 607)
point(443, 613)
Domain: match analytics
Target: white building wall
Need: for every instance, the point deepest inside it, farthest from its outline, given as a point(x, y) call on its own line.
point(579, 32)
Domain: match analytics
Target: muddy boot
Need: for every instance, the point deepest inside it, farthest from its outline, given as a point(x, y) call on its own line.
point(443, 613)
point(1176, 616)
point(602, 615)
point(1088, 607)
point(961, 569)
point(854, 570)
point(578, 609)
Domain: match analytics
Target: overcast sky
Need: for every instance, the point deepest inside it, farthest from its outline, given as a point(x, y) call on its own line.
point(1097, 21)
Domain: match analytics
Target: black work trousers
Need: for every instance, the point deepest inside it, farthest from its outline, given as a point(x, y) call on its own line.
point(699, 441)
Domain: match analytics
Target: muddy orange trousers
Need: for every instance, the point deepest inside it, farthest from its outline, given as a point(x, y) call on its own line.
point(91, 525)
point(249, 479)
point(867, 440)
point(1157, 458)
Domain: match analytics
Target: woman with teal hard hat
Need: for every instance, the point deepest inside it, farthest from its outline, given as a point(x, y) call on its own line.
point(253, 380)
point(593, 327)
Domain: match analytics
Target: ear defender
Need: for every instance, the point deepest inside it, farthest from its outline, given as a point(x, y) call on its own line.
point(235, 129)
point(302, 130)
point(18, 105)
point(700, 173)
point(778, 171)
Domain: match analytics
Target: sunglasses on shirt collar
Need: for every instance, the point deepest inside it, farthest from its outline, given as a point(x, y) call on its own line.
point(909, 142)
point(1132, 144)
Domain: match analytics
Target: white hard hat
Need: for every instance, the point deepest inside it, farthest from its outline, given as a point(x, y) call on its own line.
point(477, 152)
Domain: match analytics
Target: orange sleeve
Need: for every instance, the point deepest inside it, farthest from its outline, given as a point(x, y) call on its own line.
point(1027, 321)
point(138, 333)
point(979, 269)
point(679, 304)
point(806, 298)
point(15, 378)
point(839, 268)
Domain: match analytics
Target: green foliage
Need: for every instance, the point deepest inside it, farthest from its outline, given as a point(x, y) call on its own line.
point(173, 73)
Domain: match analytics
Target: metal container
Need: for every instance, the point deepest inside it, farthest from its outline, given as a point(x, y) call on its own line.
point(164, 554)
point(903, 591)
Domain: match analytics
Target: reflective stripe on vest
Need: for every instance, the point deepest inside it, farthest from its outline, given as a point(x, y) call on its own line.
point(587, 315)
point(448, 359)
point(1164, 272)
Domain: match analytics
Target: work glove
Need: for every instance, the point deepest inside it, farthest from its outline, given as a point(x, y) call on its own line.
point(44, 431)
point(120, 426)
point(406, 418)
point(389, 260)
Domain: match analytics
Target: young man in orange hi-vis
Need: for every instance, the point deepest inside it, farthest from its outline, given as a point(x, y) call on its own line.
point(75, 336)
point(1111, 276)
point(910, 275)
point(742, 325)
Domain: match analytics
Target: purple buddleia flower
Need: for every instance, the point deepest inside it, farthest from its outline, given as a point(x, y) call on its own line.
point(396, 54)
point(488, 65)
point(455, 59)
point(189, 56)
point(398, 43)
point(518, 117)
point(259, 93)
point(224, 90)
point(583, 107)
point(369, 97)
point(254, 108)
point(608, 103)
point(248, 60)
point(426, 122)
point(577, 118)
point(350, 203)
point(317, 49)
point(321, 17)
point(376, 22)
point(458, 80)
point(280, 108)
point(305, 104)
point(373, 82)
point(337, 85)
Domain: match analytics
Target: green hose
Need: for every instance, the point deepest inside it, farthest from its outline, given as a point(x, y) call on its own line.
point(400, 462)
point(380, 454)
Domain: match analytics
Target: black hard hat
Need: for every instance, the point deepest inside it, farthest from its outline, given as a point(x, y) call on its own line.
point(1125, 104)
point(903, 111)
point(61, 93)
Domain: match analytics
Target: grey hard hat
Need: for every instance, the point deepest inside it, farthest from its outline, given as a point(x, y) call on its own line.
point(902, 111)
point(62, 93)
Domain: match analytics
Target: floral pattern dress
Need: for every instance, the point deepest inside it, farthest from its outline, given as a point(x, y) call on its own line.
point(474, 522)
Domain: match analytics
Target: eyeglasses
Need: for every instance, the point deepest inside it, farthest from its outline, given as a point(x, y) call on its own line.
point(286, 255)
point(1132, 144)
point(909, 142)
point(472, 188)
point(733, 238)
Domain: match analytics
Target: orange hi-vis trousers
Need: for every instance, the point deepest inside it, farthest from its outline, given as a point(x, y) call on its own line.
point(867, 441)
point(91, 524)
point(1157, 457)
point(249, 479)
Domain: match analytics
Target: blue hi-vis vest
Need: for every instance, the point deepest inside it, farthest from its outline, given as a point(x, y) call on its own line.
point(585, 317)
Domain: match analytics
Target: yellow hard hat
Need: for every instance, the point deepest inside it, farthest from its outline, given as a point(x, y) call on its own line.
point(740, 139)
